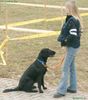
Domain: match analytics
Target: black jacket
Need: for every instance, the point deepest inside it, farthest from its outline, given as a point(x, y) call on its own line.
point(70, 33)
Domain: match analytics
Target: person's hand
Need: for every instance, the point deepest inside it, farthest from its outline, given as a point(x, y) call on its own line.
point(63, 43)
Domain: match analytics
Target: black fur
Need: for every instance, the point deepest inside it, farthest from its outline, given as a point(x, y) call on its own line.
point(34, 74)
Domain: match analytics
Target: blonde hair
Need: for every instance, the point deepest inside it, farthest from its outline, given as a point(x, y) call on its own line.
point(73, 10)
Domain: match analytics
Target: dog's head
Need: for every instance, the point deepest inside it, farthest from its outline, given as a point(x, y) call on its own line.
point(46, 52)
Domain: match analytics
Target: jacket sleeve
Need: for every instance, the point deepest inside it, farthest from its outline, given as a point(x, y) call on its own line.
point(64, 33)
point(73, 31)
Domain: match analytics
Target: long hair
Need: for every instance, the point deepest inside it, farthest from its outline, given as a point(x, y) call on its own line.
point(73, 10)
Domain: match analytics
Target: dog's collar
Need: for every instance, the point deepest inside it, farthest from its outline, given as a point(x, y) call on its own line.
point(42, 62)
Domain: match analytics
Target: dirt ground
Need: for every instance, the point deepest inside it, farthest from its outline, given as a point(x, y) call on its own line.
point(47, 95)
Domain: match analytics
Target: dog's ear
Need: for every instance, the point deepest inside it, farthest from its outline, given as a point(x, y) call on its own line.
point(44, 52)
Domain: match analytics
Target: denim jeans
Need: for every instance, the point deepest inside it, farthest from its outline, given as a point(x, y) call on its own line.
point(68, 69)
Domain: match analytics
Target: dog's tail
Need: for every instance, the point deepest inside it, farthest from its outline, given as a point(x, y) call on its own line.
point(11, 90)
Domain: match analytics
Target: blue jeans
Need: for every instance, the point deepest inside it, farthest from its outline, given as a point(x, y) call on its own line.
point(68, 69)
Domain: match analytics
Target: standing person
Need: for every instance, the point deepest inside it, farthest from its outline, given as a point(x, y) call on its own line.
point(70, 38)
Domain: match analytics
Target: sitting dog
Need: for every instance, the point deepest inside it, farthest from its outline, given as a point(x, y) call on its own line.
point(34, 74)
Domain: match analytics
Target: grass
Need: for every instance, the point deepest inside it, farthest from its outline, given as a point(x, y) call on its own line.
point(81, 3)
point(20, 54)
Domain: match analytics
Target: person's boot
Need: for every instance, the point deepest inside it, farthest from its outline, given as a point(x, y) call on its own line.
point(58, 95)
point(71, 91)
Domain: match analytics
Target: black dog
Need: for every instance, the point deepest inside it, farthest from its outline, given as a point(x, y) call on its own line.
point(34, 74)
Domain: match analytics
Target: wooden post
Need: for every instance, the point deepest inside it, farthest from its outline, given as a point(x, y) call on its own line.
point(0, 7)
point(61, 14)
point(6, 28)
point(45, 14)
point(6, 20)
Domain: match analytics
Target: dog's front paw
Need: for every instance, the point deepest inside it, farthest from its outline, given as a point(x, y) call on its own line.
point(41, 91)
point(44, 88)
